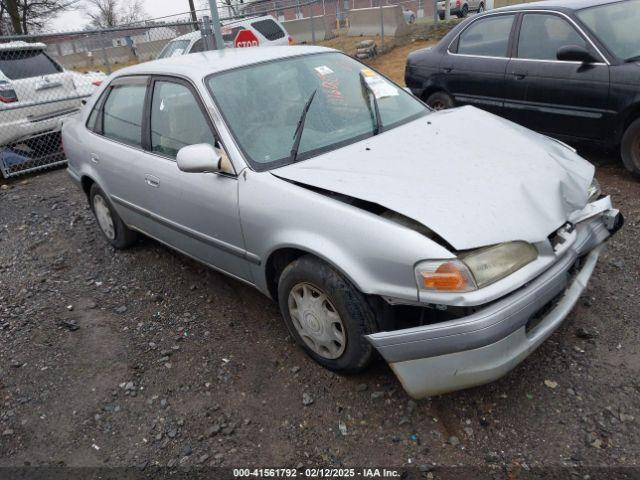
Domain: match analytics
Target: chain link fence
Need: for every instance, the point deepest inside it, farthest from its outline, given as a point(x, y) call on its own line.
point(47, 77)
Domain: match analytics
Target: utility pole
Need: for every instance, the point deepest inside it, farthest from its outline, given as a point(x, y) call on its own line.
point(12, 10)
point(215, 24)
point(194, 18)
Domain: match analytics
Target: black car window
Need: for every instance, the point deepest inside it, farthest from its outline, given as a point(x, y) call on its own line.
point(541, 35)
point(269, 29)
point(122, 113)
point(198, 46)
point(488, 37)
point(18, 64)
point(230, 34)
point(176, 119)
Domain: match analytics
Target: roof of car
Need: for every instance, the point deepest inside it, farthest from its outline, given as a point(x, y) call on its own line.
point(558, 5)
point(198, 65)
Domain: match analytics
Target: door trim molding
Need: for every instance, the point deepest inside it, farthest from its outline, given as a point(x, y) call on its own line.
point(189, 232)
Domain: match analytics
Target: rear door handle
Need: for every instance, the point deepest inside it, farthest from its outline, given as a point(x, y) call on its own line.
point(520, 75)
point(95, 158)
point(152, 181)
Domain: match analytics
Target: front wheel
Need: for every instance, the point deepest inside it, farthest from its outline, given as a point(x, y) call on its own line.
point(440, 101)
point(630, 148)
point(326, 315)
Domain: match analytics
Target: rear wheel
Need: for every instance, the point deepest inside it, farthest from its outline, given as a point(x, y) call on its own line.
point(326, 315)
point(630, 148)
point(110, 223)
point(440, 101)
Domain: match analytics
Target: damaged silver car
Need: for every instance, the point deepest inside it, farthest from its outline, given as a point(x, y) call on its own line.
point(371, 221)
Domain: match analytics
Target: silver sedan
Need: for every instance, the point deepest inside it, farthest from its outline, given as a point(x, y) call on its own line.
point(364, 214)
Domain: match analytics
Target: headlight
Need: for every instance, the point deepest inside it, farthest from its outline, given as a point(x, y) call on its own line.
point(475, 269)
point(594, 190)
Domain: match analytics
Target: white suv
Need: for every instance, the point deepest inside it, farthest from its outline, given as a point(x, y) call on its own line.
point(266, 29)
point(36, 91)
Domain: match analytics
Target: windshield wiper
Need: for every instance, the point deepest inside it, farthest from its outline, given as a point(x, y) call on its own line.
point(635, 58)
point(378, 121)
point(298, 133)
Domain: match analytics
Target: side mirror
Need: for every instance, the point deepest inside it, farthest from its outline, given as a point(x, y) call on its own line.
point(198, 158)
point(575, 53)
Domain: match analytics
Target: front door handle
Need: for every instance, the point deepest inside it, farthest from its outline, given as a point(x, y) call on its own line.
point(520, 74)
point(95, 158)
point(152, 181)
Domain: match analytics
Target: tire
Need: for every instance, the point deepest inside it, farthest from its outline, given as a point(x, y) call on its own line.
point(630, 147)
point(118, 235)
point(326, 287)
point(440, 101)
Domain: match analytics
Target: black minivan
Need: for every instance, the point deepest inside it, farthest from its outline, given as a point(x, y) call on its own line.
point(566, 68)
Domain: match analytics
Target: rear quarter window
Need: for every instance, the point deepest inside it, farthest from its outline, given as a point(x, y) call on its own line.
point(19, 64)
point(268, 29)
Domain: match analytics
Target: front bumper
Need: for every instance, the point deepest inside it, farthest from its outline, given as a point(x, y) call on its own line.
point(484, 346)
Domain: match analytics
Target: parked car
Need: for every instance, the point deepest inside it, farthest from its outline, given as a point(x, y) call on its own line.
point(36, 91)
point(371, 221)
point(409, 15)
point(461, 8)
point(569, 69)
point(267, 30)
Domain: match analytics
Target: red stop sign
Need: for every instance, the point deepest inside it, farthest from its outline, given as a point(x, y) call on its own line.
point(245, 38)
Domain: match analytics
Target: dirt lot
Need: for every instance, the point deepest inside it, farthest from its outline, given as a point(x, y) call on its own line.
point(144, 357)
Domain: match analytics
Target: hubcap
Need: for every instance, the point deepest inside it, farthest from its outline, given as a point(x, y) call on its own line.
point(317, 321)
point(103, 215)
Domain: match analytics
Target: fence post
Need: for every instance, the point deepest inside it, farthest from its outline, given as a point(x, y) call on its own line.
point(206, 33)
point(215, 24)
point(105, 57)
point(381, 26)
point(313, 27)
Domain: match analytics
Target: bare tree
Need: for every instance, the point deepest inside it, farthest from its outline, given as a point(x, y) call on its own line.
point(28, 16)
point(112, 13)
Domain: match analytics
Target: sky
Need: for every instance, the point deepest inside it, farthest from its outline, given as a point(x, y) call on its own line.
point(76, 20)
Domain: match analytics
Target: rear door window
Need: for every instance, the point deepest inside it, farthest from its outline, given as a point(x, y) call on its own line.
point(18, 64)
point(122, 113)
point(268, 29)
point(488, 37)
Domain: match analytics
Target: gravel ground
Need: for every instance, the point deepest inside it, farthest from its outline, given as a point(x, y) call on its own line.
point(143, 357)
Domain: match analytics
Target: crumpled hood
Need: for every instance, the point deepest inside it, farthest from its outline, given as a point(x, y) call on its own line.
point(472, 177)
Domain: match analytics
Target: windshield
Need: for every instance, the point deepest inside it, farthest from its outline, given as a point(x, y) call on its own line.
point(262, 105)
point(174, 48)
point(616, 25)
